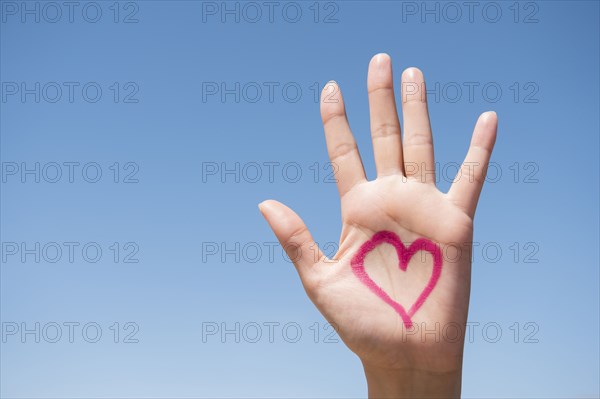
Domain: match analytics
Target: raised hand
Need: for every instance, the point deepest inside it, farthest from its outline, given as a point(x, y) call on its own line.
point(398, 288)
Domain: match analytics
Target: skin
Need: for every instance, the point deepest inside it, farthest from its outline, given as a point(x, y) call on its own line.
point(398, 361)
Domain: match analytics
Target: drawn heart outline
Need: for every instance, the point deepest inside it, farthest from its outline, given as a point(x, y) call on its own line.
point(404, 256)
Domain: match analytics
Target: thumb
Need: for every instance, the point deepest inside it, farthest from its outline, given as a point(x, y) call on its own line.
point(293, 235)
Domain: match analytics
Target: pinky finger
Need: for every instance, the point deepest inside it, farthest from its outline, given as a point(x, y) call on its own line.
point(469, 181)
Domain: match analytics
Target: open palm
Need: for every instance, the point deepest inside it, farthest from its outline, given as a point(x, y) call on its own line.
point(402, 202)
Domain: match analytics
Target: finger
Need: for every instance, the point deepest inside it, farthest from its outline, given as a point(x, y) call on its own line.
point(469, 180)
point(418, 142)
point(341, 145)
point(293, 235)
point(385, 126)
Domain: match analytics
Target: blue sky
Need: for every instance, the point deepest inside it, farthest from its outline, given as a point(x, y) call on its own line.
point(152, 129)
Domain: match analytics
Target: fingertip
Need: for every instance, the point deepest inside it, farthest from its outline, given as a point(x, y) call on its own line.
point(489, 117)
point(332, 103)
point(488, 122)
point(380, 59)
point(485, 130)
point(269, 206)
point(330, 85)
point(412, 74)
point(262, 206)
point(380, 72)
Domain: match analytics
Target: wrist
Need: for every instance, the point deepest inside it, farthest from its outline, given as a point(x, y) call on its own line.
point(412, 383)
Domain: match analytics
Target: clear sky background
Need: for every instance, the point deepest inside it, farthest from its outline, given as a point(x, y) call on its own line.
point(163, 134)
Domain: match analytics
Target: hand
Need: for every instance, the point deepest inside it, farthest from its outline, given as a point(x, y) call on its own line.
point(421, 355)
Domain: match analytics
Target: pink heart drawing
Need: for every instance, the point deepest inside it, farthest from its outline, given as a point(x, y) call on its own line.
point(404, 256)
